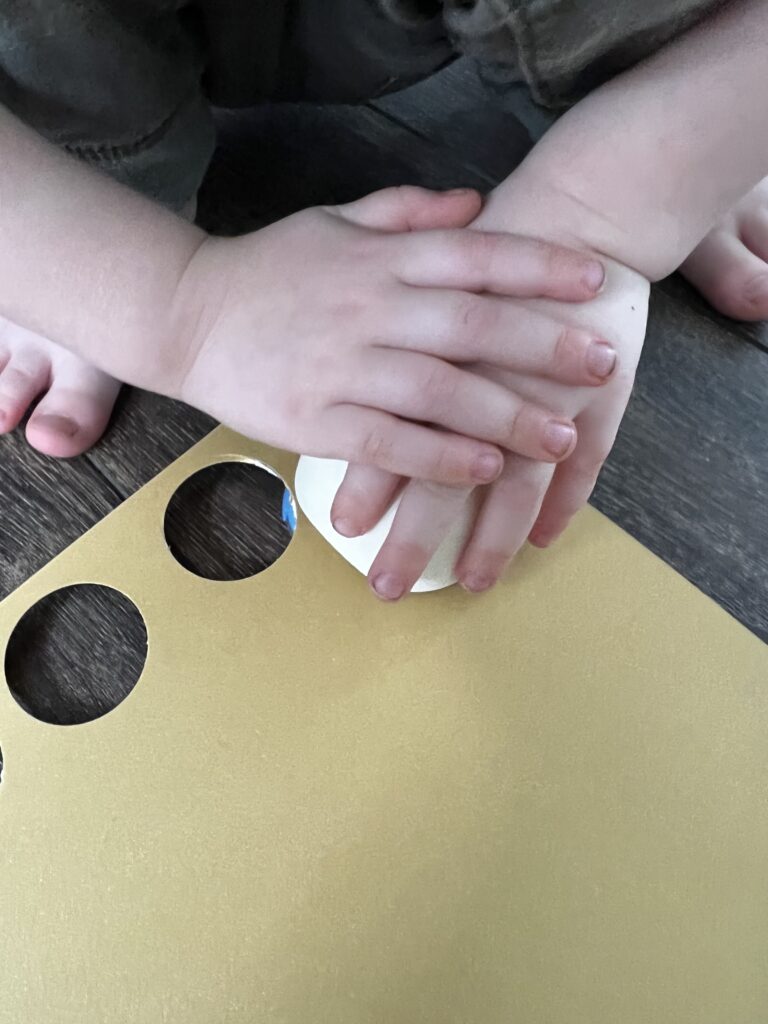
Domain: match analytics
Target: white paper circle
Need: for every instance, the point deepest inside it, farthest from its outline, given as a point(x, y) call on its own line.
point(317, 481)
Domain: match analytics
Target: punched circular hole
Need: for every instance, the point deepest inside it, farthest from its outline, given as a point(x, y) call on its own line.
point(229, 521)
point(76, 654)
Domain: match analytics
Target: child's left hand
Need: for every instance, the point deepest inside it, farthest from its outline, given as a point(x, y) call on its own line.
point(530, 499)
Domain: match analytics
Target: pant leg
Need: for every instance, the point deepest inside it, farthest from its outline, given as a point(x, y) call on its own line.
point(117, 84)
point(563, 49)
point(348, 51)
point(547, 55)
point(125, 84)
point(351, 50)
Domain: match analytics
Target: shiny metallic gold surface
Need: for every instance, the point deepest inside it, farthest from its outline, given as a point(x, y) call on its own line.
point(547, 805)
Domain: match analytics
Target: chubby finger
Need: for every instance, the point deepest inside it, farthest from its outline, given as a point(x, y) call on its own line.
point(426, 389)
point(410, 208)
point(365, 494)
point(505, 518)
point(574, 481)
point(423, 519)
point(465, 327)
point(496, 262)
point(374, 438)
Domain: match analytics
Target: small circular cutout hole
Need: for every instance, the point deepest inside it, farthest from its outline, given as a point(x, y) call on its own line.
point(76, 654)
point(229, 521)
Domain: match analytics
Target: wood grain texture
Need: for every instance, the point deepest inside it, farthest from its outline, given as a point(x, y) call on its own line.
point(147, 433)
point(689, 474)
point(225, 522)
point(88, 643)
point(45, 504)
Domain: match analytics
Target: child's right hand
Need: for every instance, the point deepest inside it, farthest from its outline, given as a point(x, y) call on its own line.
point(334, 332)
point(530, 499)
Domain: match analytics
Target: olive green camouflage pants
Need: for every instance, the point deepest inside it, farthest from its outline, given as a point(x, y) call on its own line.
point(128, 85)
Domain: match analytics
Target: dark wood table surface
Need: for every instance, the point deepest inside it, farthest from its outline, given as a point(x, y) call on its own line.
point(688, 476)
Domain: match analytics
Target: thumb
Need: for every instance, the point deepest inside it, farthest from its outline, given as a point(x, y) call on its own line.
point(409, 208)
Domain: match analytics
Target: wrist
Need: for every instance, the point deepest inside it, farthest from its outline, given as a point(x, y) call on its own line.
point(644, 166)
point(193, 312)
point(559, 202)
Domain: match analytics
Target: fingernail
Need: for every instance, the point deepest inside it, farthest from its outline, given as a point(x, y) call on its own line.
point(594, 276)
point(57, 424)
point(459, 191)
point(540, 540)
point(601, 359)
point(558, 438)
point(346, 528)
point(388, 586)
point(487, 468)
point(476, 583)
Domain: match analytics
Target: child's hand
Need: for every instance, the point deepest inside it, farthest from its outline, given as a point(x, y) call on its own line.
point(334, 333)
point(530, 498)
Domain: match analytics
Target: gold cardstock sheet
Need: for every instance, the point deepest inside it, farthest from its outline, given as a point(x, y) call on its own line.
point(544, 805)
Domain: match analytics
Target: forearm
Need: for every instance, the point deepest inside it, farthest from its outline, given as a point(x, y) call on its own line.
point(85, 261)
point(644, 166)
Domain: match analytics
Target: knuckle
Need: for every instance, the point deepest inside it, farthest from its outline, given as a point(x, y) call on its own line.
point(321, 378)
point(552, 259)
point(471, 323)
point(479, 253)
point(549, 256)
point(515, 423)
point(446, 494)
point(444, 464)
point(489, 247)
point(486, 561)
point(564, 346)
point(346, 309)
point(439, 384)
point(300, 401)
point(376, 447)
point(16, 378)
point(571, 349)
point(408, 195)
point(566, 267)
point(408, 199)
point(524, 484)
point(532, 484)
point(363, 247)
